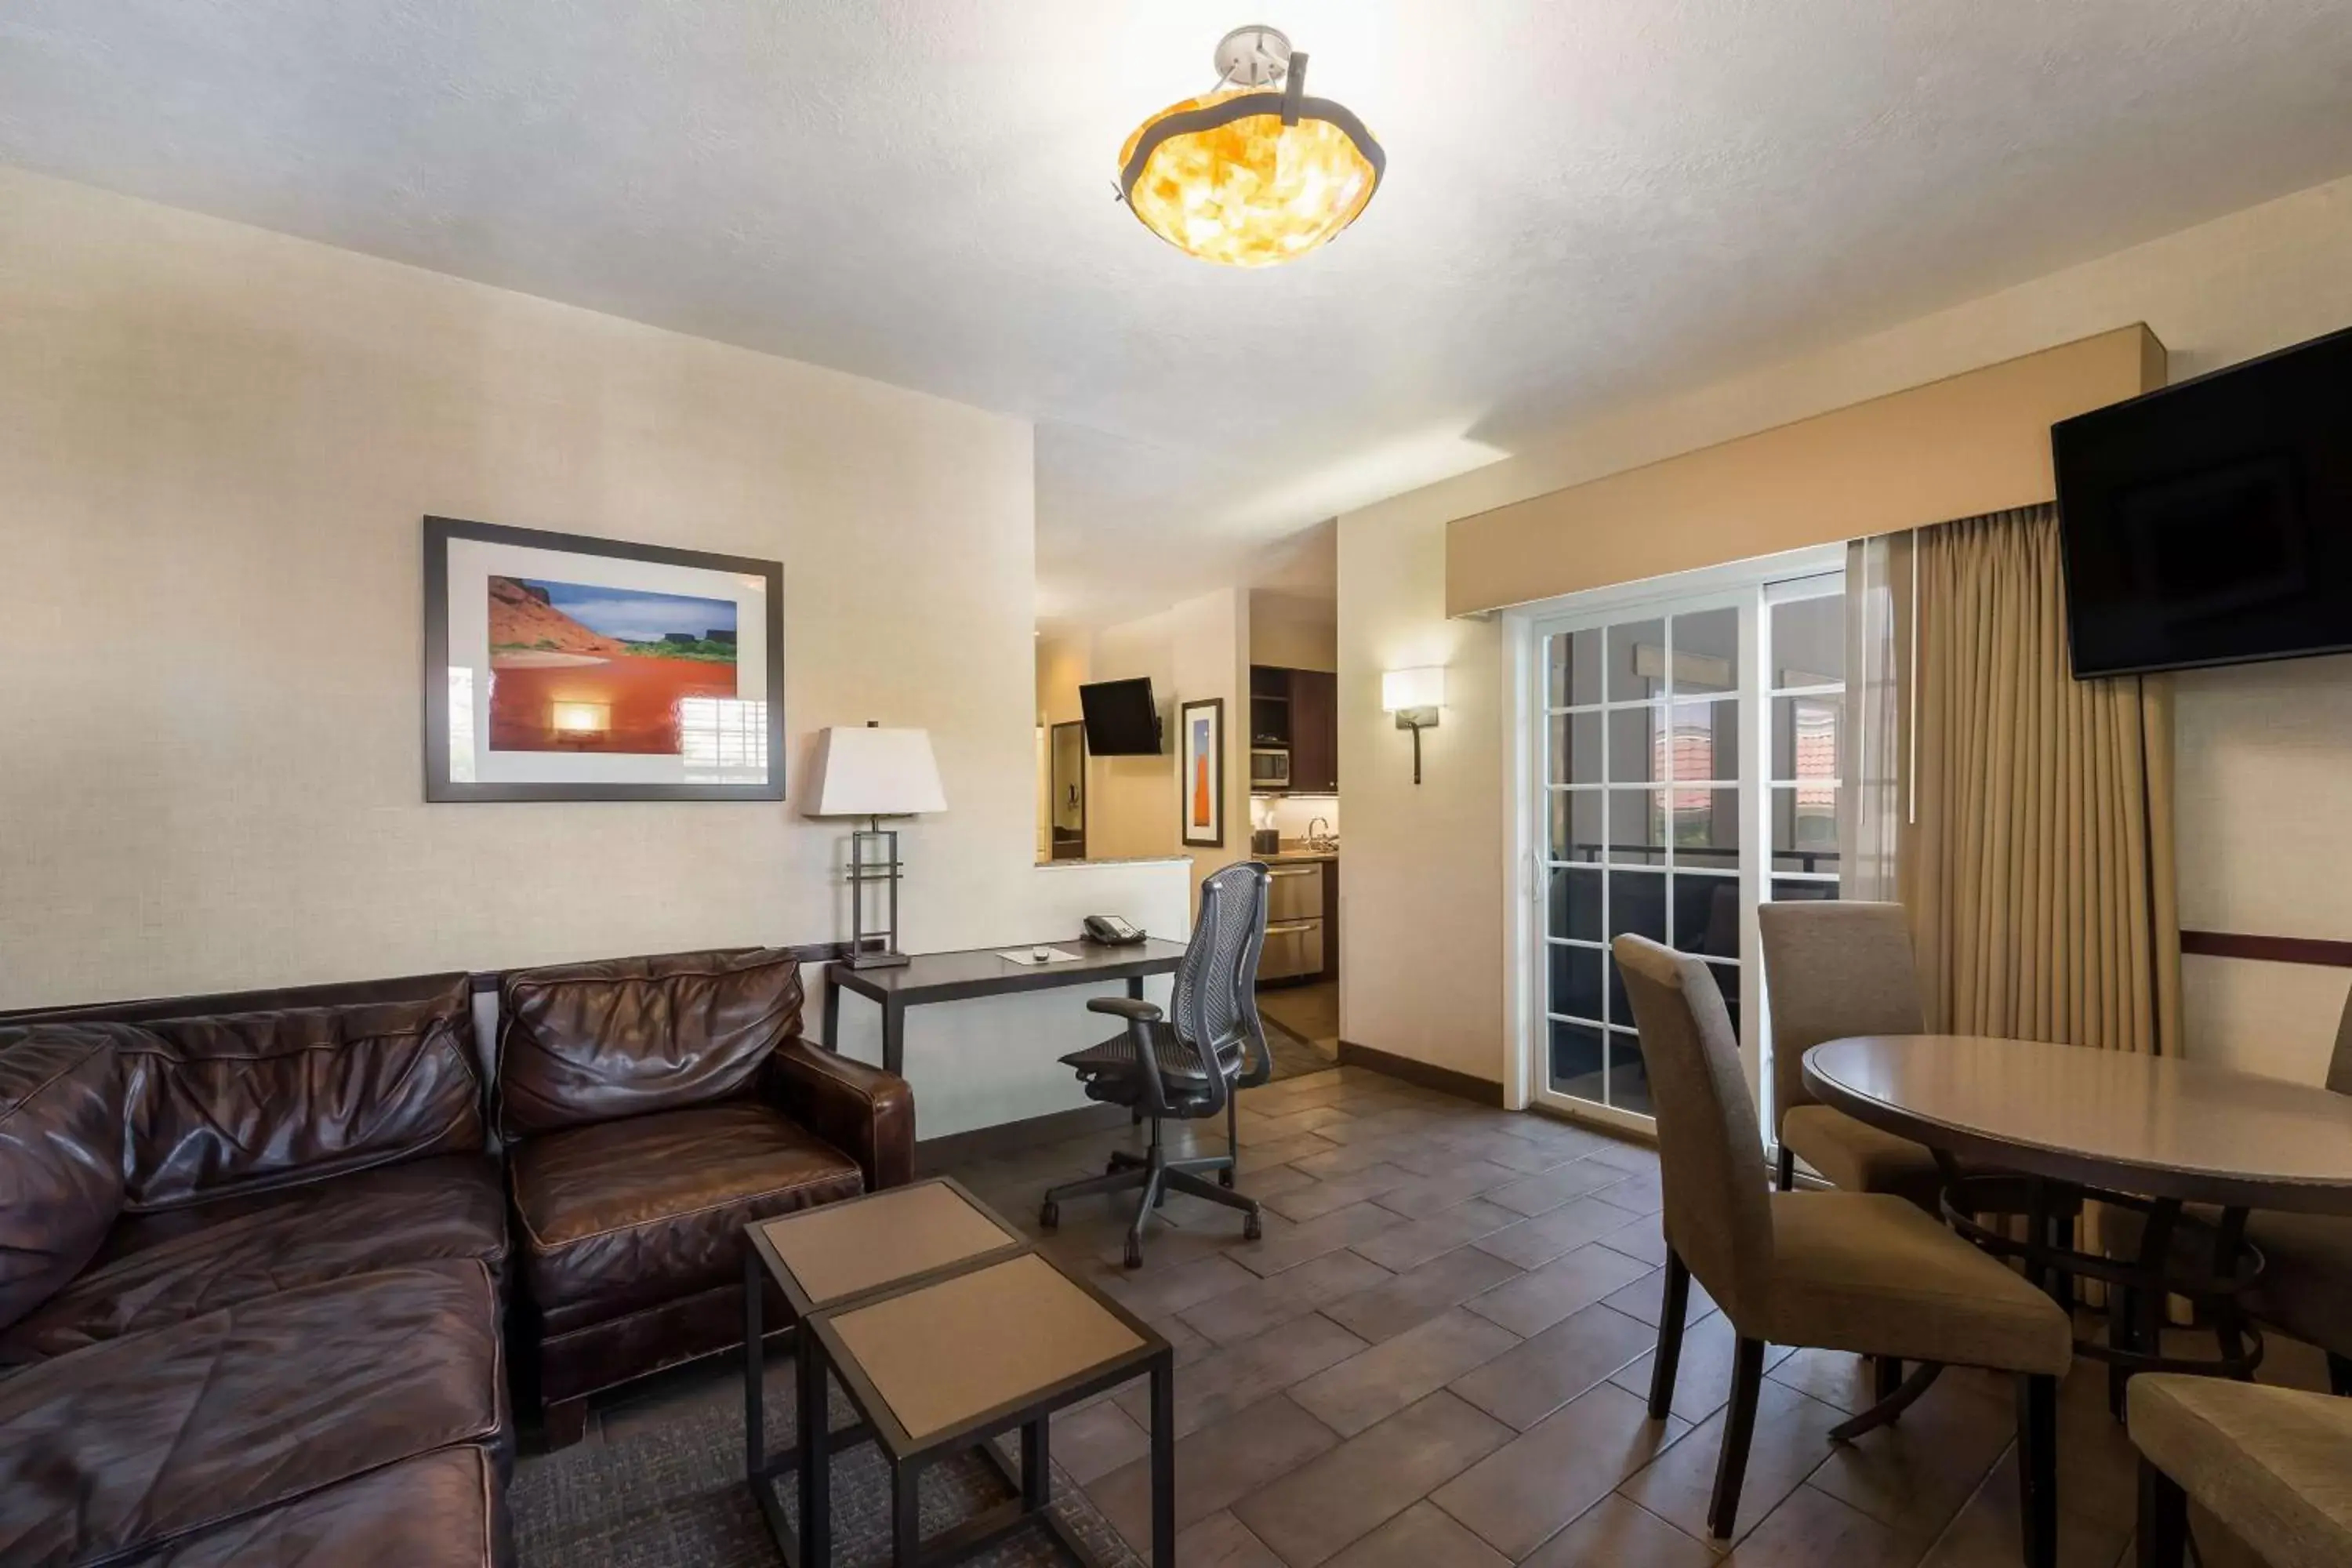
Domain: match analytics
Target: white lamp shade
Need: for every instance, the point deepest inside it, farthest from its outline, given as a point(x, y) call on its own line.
point(1422, 688)
point(870, 771)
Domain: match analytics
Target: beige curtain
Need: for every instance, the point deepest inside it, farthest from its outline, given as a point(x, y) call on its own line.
point(1870, 803)
point(2036, 858)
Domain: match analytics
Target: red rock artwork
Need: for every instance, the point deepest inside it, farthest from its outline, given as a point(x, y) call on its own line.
point(580, 667)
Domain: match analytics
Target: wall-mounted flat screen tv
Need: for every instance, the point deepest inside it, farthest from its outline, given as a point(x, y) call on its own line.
point(1122, 720)
point(2212, 522)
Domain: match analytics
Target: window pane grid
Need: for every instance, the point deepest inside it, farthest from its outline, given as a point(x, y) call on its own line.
point(1636, 803)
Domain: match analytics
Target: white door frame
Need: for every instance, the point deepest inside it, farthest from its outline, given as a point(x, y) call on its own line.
point(1525, 1079)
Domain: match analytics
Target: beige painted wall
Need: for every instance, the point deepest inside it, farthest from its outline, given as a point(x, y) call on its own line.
point(1061, 669)
point(215, 448)
point(1420, 912)
point(1195, 650)
point(1131, 801)
point(1293, 631)
point(1967, 445)
point(2240, 286)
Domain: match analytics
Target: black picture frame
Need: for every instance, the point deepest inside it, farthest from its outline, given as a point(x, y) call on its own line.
point(439, 531)
point(1215, 707)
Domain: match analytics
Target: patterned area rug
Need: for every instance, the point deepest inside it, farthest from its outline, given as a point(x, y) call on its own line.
point(667, 1492)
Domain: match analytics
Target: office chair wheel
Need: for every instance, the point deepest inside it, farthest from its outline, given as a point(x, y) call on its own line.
point(1134, 1253)
point(1050, 1215)
point(1113, 1166)
point(1252, 1230)
point(1225, 1177)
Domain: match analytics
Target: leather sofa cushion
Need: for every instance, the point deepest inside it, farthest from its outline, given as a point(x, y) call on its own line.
point(630, 1213)
point(245, 1102)
point(595, 1042)
point(138, 1441)
point(162, 1268)
point(437, 1510)
point(60, 1157)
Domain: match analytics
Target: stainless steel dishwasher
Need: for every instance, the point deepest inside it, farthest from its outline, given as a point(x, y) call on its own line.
point(1294, 922)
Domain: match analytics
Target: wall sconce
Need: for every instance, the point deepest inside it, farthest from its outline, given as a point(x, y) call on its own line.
point(1415, 696)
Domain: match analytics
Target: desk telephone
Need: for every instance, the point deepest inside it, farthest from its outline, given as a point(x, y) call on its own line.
point(1109, 931)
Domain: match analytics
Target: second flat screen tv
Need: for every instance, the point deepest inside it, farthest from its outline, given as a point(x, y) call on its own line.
point(1123, 719)
point(2212, 522)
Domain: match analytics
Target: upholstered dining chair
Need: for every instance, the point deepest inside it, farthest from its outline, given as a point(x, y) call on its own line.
point(1836, 970)
point(2272, 1464)
point(2306, 1284)
point(1863, 1272)
point(2305, 1289)
point(1188, 1068)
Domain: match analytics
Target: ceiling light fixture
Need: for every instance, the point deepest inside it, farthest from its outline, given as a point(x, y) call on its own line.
point(1253, 172)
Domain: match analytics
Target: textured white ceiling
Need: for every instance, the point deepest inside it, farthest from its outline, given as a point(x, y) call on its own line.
point(1588, 201)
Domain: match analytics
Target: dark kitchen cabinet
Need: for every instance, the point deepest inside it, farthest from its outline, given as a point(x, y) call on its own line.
point(1313, 732)
point(1270, 706)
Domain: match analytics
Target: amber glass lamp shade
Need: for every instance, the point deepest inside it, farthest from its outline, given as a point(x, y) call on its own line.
point(1223, 177)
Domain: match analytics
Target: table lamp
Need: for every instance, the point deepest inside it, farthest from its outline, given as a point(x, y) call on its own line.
point(874, 773)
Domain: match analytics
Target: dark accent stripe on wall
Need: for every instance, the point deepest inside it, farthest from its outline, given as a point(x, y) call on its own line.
point(2270, 949)
point(1427, 1075)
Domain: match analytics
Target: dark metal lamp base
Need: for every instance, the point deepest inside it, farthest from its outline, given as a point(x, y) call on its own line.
point(875, 958)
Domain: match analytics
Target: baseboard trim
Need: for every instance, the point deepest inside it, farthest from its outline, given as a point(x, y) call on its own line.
point(1425, 1075)
point(935, 1154)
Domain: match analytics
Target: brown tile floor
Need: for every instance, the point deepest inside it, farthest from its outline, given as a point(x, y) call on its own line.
point(1437, 1355)
point(1310, 1011)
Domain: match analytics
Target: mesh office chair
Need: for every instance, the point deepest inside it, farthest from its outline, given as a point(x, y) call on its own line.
point(1189, 1068)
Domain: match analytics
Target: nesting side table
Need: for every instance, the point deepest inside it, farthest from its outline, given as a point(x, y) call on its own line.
point(947, 1330)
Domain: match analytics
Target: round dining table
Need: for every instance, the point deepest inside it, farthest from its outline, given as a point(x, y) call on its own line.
point(2192, 1147)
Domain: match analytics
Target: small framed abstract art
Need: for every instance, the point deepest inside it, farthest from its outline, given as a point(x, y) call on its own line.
point(1202, 754)
point(559, 667)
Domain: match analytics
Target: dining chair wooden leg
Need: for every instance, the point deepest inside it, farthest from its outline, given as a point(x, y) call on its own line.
point(1739, 1431)
point(1671, 1314)
point(2037, 1468)
point(2163, 1519)
point(1786, 1174)
point(1886, 1377)
point(2339, 1374)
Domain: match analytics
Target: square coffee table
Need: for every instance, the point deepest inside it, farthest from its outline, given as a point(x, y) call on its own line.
point(938, 1365)
point(1047, 1341)
point(827, 1256)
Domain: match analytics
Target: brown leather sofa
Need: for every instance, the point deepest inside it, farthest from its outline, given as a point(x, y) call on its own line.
point(251, 1250)
point(652, 1108)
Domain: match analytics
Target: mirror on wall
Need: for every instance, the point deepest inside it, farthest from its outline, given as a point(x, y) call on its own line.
point(1067, 778)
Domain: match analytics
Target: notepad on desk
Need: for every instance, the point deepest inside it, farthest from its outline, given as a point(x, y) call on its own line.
point(1039, 955)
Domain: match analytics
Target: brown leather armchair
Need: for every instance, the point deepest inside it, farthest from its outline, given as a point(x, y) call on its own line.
point(654, 1107)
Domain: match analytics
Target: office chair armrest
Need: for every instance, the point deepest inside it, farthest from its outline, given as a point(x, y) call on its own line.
point(1144, 1026)
point(1134, 1009)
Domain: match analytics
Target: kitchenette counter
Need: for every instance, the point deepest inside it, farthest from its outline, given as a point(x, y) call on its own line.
point(1302, 854)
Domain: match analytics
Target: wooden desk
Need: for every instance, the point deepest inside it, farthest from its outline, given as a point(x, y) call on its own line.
point(957, 976)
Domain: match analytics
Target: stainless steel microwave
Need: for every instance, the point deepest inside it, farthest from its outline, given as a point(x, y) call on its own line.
point(1269, 767)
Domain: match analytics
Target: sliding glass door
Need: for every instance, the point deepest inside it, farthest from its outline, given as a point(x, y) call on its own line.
point(1686, 767)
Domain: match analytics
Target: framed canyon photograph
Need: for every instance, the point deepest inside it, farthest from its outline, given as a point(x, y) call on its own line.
point(559, 667)
point(1203, 754)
